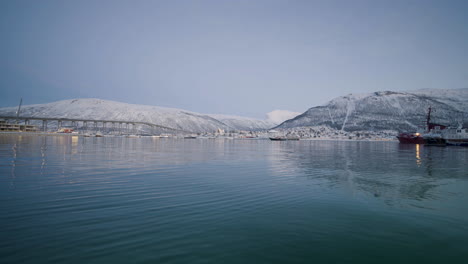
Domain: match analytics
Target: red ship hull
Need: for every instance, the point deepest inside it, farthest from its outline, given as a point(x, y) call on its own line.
point(410, 138)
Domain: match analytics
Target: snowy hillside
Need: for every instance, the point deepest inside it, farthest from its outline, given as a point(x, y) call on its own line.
point(97, 109)
point(244, 123)
point(387, 110)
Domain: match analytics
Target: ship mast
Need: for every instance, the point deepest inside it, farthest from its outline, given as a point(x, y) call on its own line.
point(428, 121)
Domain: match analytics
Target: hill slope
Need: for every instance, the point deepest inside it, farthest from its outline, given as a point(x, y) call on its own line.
point(97, 109)
point(386, 110)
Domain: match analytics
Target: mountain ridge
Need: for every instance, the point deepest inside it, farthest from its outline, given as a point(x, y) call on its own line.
point(99, 109)
point(384, 110)
point(381, 110)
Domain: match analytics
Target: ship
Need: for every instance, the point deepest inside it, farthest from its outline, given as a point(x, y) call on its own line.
point(456, 136)
point(417, 137)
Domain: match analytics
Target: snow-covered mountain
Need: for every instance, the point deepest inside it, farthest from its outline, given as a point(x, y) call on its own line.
point(387, 110)
point(97, 109)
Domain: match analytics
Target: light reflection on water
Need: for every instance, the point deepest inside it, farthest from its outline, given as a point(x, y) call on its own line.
point(397, 174)
point(76, 199)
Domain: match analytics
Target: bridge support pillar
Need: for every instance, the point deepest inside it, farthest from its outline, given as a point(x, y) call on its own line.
point(44, 125)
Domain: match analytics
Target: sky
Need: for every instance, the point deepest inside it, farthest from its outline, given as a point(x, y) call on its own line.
point(238, 57)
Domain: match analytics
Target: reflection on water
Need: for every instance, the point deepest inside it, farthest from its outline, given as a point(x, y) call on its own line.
point(75, 199)
point(400, 175)
point(418, 157)
point(381, 169)
point(391, 171)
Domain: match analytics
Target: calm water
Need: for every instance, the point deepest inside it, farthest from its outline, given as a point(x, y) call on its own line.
point(143, 200)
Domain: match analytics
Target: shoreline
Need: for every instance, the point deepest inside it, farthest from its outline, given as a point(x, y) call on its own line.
point(175, 137)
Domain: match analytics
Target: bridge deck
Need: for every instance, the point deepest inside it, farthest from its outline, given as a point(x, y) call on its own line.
point(91, 120)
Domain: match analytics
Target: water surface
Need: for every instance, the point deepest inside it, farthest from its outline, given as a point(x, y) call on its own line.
point(143, 200)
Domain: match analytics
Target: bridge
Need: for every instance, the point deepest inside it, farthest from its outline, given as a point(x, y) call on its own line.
point(95, 124)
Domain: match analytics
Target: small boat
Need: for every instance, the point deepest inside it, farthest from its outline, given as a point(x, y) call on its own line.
point(190, 137)
point(283, 138)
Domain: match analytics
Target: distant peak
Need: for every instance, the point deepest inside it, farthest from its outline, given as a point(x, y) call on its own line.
point(279, 116)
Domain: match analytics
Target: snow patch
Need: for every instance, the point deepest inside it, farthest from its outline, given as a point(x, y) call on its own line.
point(350, 106)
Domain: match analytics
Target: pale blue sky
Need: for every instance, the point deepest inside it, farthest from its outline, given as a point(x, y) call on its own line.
point(228, 57)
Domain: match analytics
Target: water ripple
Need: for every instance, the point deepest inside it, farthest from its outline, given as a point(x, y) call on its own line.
point(177, 201)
